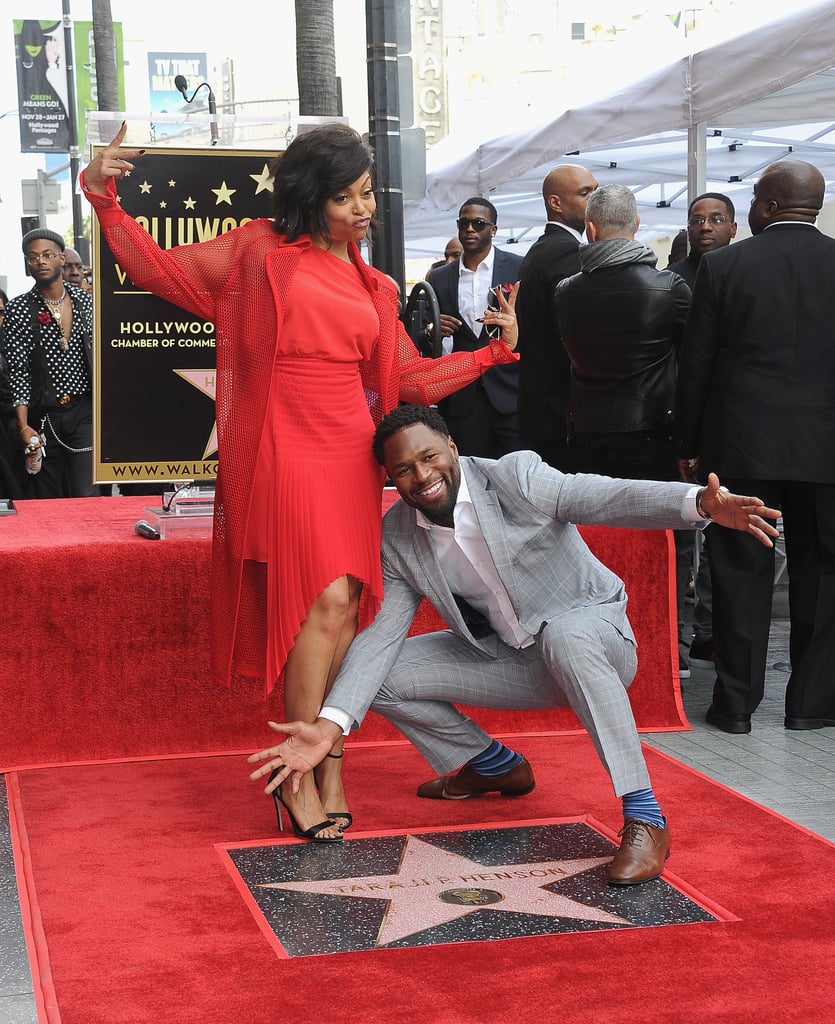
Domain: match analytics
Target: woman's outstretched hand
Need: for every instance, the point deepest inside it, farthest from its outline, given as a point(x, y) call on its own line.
point(505, 316)
point(110, 162)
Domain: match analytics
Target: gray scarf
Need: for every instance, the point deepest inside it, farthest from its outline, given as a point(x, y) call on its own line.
point(614, 252)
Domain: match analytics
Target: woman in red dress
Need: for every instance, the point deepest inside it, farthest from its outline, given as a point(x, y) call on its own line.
point(310, 355)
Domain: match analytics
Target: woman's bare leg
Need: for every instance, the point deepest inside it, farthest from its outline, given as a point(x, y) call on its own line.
point(307, 674)
point(328, 774)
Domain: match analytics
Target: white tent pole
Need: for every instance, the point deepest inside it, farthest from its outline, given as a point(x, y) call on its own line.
point(696, 161)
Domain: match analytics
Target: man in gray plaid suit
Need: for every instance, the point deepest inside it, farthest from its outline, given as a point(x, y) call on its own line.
point(535, 620)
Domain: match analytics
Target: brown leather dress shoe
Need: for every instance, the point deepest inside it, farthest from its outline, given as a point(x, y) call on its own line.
point(643, 850)
point(466, 783)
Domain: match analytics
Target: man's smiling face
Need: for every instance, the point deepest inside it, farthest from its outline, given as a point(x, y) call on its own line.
point(423, 466)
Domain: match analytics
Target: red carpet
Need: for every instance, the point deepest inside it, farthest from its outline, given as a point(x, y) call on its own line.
point(135, 920)
point(115, 632)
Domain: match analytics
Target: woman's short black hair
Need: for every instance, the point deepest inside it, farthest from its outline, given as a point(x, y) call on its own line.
point(406, 416)
point(315, 166)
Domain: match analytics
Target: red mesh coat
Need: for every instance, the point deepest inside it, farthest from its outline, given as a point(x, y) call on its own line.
point(240, 282)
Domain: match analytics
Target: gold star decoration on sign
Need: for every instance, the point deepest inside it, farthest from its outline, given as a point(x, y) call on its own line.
point(205, 381)
point(189, 203)
point(433, 886)
point(263, 180)
point(224, 194)
point(145, 187)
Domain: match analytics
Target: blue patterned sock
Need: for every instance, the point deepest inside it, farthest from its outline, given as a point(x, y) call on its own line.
point(495, 760)
point(641, 804)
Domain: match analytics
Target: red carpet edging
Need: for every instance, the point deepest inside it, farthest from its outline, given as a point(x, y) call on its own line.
point(46, 1003)
point(123, 859)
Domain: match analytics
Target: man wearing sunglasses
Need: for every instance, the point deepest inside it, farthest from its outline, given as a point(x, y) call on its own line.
point(482, 415)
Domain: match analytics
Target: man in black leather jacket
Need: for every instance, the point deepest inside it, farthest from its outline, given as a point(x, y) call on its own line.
point(622, 322)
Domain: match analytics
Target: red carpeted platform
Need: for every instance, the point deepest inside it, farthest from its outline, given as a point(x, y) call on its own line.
point(133, 918)
point(105, 652)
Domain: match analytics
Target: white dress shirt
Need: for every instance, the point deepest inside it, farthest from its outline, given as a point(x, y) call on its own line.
point(473, 286)
point(469, 569)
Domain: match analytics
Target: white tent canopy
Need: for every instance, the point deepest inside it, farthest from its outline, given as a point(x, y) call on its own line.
point(713, 119)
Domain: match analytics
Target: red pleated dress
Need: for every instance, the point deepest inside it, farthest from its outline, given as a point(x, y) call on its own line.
point(315, 511)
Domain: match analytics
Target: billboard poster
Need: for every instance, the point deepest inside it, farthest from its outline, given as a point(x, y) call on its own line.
point(41, 65)
point(154, 368)
point(86, 92)
point(166, 99)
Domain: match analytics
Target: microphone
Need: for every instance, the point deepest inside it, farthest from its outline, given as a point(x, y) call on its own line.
point(144, 529)
point(181, 84)
point(212, 116)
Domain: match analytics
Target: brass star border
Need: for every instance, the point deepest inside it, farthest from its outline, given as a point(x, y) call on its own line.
point(432, 886)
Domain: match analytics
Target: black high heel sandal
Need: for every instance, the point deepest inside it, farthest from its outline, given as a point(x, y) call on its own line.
point(346, 816)
point(312, 833)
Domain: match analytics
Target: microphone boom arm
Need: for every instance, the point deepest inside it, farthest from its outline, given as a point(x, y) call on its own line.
point(182, 86)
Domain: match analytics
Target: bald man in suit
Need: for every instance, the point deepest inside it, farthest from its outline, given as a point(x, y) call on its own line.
point(544, 369)
point(756, 404)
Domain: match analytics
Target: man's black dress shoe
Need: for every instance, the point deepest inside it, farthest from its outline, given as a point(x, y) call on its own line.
point(736, 724)
point(809, 723)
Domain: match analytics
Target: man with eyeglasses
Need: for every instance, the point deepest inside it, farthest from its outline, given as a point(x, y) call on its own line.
point(756, 403)
point(482, 415)
point(711, 225)
point(48, 338)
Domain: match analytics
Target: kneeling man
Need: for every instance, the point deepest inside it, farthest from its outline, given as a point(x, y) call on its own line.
point(536, 621)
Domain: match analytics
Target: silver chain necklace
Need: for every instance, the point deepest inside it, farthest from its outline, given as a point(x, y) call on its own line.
point(55, 302)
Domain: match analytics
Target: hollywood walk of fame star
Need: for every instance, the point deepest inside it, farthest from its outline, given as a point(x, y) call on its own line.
point(433, 886)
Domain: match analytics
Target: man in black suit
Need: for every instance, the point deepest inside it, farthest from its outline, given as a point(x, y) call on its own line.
point(711, 225)
point(544, 368)
point(482, 416)
point(756, 403)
